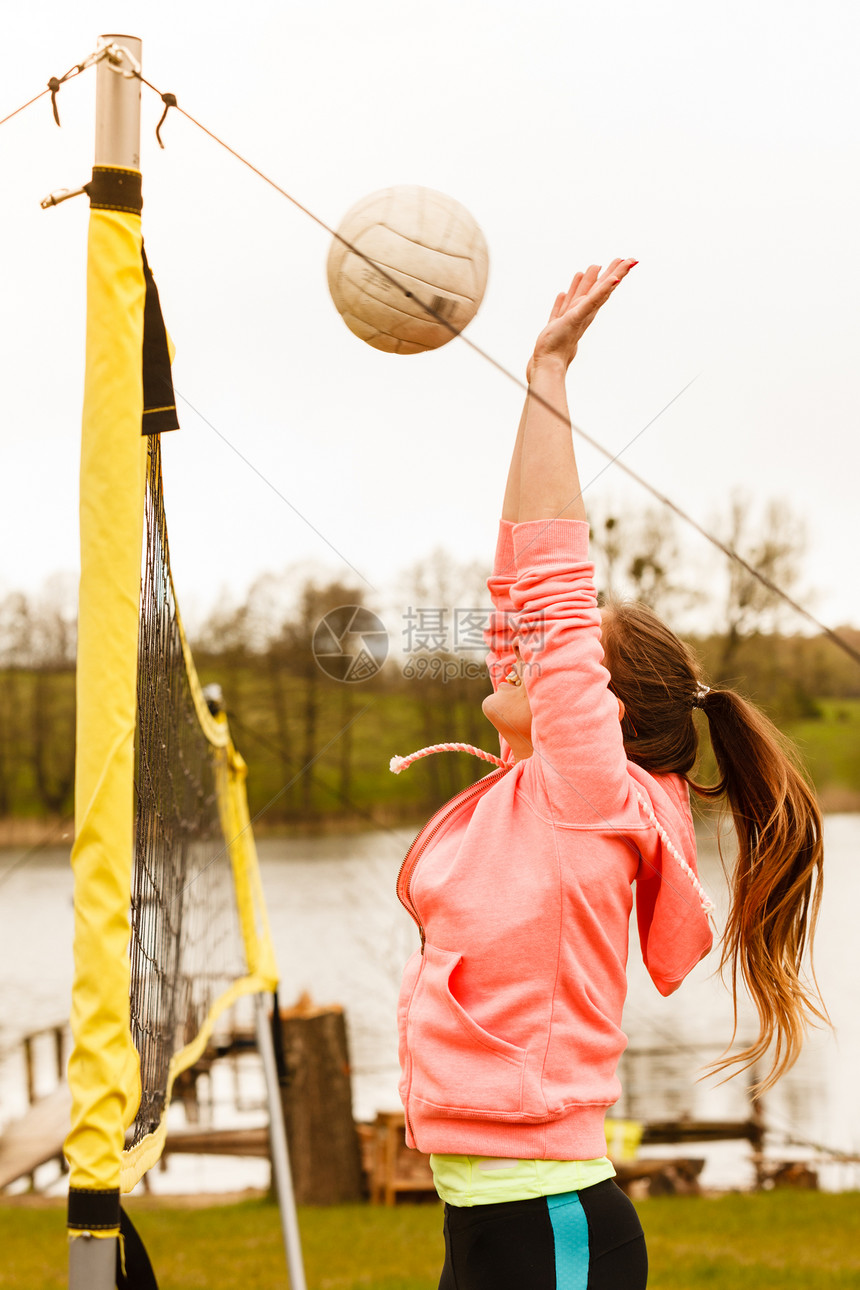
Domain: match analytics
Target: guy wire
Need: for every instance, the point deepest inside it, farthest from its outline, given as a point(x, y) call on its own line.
point(56, 82)
point(505, 371)
point(500, 367)
point(29, 103)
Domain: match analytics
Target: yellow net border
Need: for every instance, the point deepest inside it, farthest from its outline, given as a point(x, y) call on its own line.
point(104, 1067)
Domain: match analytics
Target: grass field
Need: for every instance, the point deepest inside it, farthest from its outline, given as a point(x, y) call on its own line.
point(770, 1241)
point(830, 747)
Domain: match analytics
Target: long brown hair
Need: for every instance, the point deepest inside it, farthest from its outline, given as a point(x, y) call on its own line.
point(777, 875)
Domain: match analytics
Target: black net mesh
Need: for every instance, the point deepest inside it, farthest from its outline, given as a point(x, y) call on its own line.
point(186, 946)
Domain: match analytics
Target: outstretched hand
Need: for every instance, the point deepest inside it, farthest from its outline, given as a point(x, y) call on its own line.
point(574, 310)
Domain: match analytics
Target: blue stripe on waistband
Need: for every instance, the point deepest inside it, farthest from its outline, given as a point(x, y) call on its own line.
point(570, 1231)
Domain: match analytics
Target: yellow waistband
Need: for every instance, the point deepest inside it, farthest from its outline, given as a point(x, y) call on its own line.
point(482, 1180)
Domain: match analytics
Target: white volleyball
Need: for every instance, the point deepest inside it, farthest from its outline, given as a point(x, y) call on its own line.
point(424, 274)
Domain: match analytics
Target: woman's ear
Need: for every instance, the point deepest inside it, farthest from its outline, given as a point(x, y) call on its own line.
point(620, 709)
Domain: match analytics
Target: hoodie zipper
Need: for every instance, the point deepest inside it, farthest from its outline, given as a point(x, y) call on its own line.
point(425, 835)
point(407, 870)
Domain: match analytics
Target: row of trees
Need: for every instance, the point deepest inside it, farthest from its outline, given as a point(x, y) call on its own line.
point(37, 701)
point(318, 747)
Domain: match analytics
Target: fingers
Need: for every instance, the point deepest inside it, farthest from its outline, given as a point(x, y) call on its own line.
point(588, 279)
point(574, 310)
point(580, 286)
point(596, 298)
point(611, 269)
point(559, 307)
point(583, 283)
point(595, 286)
point(593, 290)
point(622, 267)
point(572, 291)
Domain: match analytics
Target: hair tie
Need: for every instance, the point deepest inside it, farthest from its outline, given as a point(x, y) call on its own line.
point(700, 694)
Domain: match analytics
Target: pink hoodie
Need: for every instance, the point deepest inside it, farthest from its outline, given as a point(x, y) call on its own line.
point(510, 1014)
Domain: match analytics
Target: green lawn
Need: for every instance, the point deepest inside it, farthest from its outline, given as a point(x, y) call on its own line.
point(772, 1241)
point(831, 749)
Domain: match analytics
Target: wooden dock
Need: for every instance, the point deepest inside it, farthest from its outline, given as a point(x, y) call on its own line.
point(36, 1138)
point(389, 1169)
point(194, 1141)
point(38, 1135)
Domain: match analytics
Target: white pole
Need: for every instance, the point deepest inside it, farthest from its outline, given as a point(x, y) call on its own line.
point(92, 1263)
point(279, 1149)
point(118, 108)
point(92, 1260)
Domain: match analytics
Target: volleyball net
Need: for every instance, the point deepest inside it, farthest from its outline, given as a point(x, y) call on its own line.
point(199, 931)
point(170, 923)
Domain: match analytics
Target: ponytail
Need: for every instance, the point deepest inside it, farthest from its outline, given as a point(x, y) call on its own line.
point(776, 882)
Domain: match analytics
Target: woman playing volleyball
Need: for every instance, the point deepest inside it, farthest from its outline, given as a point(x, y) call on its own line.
point(522, 886)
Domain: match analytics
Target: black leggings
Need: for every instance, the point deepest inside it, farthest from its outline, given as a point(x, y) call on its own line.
point(581, 1240)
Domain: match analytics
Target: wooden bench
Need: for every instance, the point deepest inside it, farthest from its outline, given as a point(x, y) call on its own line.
point(392, 1169)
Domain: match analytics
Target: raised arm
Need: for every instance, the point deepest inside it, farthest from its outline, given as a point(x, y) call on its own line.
point(511, 503)
point(574, 726)
point(544, 462)
point(543, 485)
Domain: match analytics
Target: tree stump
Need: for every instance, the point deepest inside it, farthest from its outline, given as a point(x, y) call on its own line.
point(325, 1152)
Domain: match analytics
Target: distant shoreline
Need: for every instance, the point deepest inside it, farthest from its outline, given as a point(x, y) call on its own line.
point(35, 831)
point(32, 831)
point(29, 831)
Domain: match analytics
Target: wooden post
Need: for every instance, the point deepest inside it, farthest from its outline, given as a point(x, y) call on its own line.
point(757, 1130)
point(30, 1065)
point(58, 1052)
point(325, 1151)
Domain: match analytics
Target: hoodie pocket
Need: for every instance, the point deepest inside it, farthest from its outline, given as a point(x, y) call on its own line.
point(459, 1068)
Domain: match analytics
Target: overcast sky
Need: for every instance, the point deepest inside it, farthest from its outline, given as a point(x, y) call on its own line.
point(717, 144)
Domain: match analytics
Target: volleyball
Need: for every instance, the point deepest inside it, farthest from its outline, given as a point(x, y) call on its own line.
point(418, 271)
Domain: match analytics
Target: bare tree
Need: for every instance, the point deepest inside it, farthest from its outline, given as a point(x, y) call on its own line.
point(772, 544)
point(16, 634)
point(446, 604)
point(38, 640)
point(55, 622)
point(637, 552)
point(315, 602)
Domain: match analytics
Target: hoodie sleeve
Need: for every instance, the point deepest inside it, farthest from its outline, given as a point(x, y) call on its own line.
point(671, 907)
point(579, 766)
point(579, 763)
point(499, 634)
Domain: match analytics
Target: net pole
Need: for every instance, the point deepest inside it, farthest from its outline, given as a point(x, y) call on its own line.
point(92, 1263)
point(102, 1071)
point(118, 109)
point(279, 1149)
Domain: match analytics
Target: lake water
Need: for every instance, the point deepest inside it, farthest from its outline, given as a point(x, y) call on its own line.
point(341, 936)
